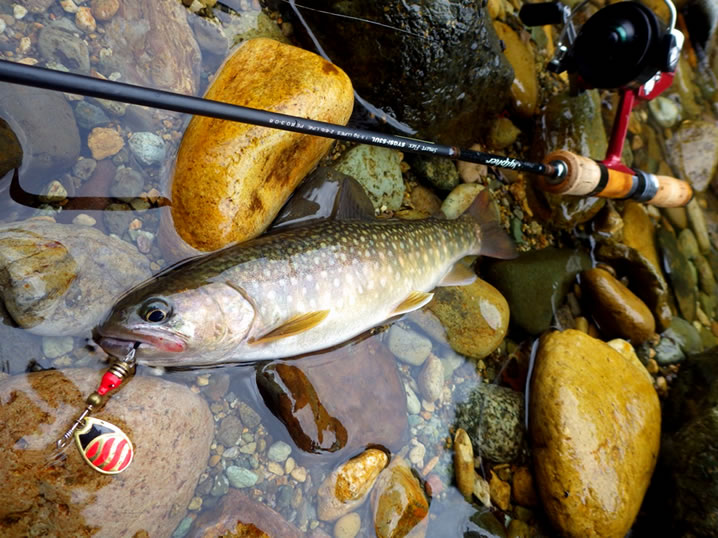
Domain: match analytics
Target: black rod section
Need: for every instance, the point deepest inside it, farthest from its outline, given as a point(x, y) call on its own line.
point(40, 77)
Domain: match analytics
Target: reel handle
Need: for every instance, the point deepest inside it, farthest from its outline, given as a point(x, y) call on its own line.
point(586, 177)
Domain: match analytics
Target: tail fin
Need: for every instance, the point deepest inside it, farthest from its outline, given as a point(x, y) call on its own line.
point(495, 242)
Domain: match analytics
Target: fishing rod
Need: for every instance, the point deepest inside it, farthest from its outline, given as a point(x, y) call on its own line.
point(563, 173)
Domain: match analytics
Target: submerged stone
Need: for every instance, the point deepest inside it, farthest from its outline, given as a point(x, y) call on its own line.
point(231, 179)
point(455, 69)
point(589, 404)
point(693, 149)
point(378, 170)
point(683, 279)
point(69, 498)
point(519, 53)
point(536, 283)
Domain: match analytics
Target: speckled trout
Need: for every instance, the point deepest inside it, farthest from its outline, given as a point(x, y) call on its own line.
point(297, 290)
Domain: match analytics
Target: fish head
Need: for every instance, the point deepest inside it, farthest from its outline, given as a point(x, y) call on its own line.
point(195, 326)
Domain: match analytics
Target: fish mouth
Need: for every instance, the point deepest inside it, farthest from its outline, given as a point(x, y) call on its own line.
point(120, 343)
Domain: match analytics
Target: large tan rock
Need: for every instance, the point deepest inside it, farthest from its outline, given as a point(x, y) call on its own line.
point(232, 178)
point(595, 423)
point(519, 53)
point(171, 430)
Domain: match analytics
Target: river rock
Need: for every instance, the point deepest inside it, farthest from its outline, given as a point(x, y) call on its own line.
point(151, 44)
point(439, 172)
point(573, 124)
point(524, 89)
point(493, 417)
point(639, 232)
point(460, 199)
point(408, 346)
point(398, 501)
point(683, 277)
point(56, 44)
point(588, 404)
point(230, 178)
point(346, 488)
point(535, 282)
point(476, 317)
point(615, 309)
point(693, 149)
point(378, 170)
point(456, 68)
point(69, 498)
point(431, 379)
point(239, 514)
point(330, 401)
point(49, 148)
point(685, 489)
point(464, 463)
point(61, 279)
point(10, 149)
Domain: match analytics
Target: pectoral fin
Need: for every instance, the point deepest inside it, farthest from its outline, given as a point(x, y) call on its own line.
point(416, 300)
point(296, 325)
point(460, 275)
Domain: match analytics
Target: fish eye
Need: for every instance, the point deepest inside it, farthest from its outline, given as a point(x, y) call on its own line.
point(155, 310)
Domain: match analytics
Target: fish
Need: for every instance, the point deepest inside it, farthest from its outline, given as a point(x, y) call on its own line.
point(298, 290)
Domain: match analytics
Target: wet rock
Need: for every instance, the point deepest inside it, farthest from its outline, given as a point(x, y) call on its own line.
point(639, 232)
point(60, 279)
point(574, 124)
point(279, 451)
point(459, 199)
point(104, 10)
point(615, 309)
point(535, 283)
point(503, 133)
point(677, 216)
point(682, 278)
point(378, 170)
point(346, 488)
point(84, 168)
point(230, 431)
point(128, 183)
point(71, 499)
point(104, 142)
point(679, 340)
point(347, 526)
point(589, 403)
point(150, 30)
point(440, 173)
point(693, 149)
point(431, 379)
point(664, 111)
point(85, 21)
point(50, 148)
point(413, 405)
point(425, 202)
point(56, 346)
point(148, 148)
point(37, 6)
point(523, 488)
point(241, 515)
point(524, 89)
point(476, 317)
point(58, 45)
point(464, 76)
point(646, 280)
point(117, 218)
point(245, 182)
point(465, 520)
point(241, 477)
point(408, 346)
point(698, 224)
point(10, 149)
point(330, 402)
point(493, 416)
point(464, 463)
point(398, 501)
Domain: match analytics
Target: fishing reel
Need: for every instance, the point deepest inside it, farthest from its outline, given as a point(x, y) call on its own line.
point(623, 47)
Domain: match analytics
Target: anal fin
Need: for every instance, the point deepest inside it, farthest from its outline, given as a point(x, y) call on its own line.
point(293, 326)
point(459, 275)
point(414, 301)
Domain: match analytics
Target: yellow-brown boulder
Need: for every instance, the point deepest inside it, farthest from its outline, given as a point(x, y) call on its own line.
point(524, 89)
point(230, 178)
point(594, 419)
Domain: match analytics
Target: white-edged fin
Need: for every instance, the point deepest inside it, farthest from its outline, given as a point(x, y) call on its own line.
point(459, 275)
point(296, 325)
point(415, 301)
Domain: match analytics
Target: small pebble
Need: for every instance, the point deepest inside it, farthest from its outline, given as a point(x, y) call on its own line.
point(289, 465)
point(19, 11)
point(84, 20)
point(56, 346)
point(239, 477)
point(69, 6)
point(3, 25)
point(347, 526)
point(104, 10)
point(147, 147)
point(299, 474)
point(195, 504)
point(409, 346)
point(416, 455)
point(275, 468)
point(413, 407)
point(279, 451)
point(84, 219)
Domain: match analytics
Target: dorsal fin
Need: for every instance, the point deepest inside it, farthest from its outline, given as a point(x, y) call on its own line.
point(293, 326)
point(414, 301)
